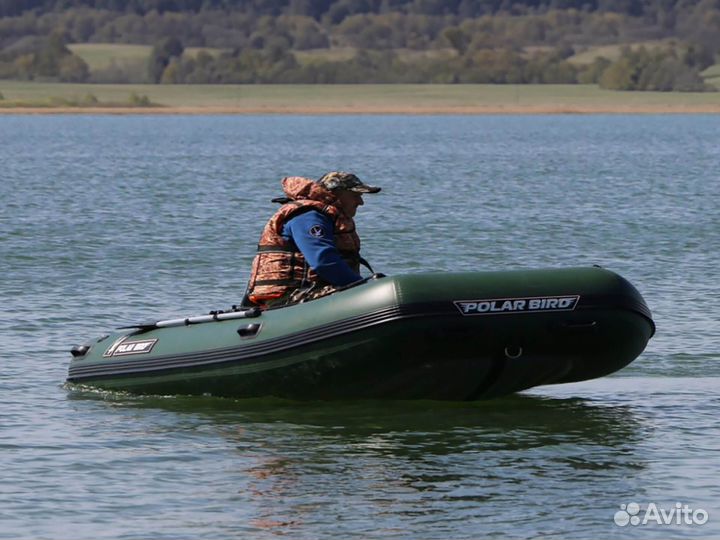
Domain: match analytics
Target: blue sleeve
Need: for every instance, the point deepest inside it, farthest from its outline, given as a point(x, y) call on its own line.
point(314, 237)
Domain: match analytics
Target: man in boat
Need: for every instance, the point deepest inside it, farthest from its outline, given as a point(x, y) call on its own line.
point(309, 247)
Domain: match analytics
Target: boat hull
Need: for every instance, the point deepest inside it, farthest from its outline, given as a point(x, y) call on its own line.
point(424, 336)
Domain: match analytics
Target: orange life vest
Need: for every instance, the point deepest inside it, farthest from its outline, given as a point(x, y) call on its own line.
point(279, 267)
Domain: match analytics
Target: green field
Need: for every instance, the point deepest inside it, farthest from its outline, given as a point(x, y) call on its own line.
point(102, 55)
point(356, 97)
point(611, 52)
point(339, 54)
point(110, 62)
point(712, 75)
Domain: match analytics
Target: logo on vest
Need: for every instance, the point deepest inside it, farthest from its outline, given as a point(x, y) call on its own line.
point(493, 306)
point(317, 231)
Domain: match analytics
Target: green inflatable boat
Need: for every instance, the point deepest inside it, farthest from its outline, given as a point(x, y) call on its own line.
point(450, 336)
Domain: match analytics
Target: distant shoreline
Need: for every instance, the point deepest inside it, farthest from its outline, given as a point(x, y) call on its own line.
point(61, 98)
point(370, 110)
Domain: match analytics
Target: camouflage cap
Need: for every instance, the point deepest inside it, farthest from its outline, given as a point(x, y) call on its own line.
point(343, 180)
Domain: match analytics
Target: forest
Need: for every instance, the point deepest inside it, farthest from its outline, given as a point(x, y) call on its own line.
point(660, 45)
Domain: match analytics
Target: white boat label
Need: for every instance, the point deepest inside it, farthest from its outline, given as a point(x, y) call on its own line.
point(121, 347)
point(535, 304)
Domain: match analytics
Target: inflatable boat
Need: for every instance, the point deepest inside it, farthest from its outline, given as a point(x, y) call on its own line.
point(449, 336)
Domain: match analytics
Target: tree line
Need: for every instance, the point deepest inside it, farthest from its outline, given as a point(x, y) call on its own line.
point(466, 41)
point(658, 69)
point(335, 11)
point(695, 20)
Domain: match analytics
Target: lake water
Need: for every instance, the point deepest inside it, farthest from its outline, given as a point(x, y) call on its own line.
point(108, 220)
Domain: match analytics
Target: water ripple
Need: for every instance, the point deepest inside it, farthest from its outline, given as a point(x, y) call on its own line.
point(109, 220)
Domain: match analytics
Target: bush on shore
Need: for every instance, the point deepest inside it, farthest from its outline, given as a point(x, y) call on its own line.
point(659, 70)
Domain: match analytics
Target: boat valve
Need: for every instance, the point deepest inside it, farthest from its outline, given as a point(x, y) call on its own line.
point(513, 352)
point(79, 350)
point(249, 330)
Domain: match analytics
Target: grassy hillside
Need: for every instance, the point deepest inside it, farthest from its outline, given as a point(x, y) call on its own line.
point(340, 98)
point(132, 59)
point(102, 55)
point(104, 58)
point(611, 52)
point(712, 75)
point(339, 54)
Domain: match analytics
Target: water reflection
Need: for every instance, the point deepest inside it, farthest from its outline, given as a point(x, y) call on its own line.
point(434, 468)
point(385, 427)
